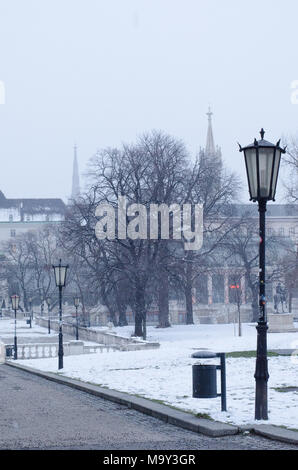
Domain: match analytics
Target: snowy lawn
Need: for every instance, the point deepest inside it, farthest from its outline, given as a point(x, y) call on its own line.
point(25, 334)
point(23, 330)
point(165, 374)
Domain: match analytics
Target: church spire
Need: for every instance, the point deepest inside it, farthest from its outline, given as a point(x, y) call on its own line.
point(210, 147)
point(75, 190)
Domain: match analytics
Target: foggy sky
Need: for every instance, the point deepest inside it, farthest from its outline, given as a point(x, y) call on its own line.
point(100, 72)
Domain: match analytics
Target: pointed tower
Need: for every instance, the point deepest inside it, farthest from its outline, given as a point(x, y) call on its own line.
point(211, 152)
point(210, 147)
point(75, 190)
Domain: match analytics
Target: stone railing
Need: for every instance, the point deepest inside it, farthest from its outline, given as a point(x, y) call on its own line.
point(104, 337)
point(47, 350)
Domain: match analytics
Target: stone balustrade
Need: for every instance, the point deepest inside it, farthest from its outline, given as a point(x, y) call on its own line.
point(104, 337)
point(37, 351)
point(48, 350)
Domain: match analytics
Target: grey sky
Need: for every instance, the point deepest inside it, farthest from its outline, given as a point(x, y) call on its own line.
point(99, 72)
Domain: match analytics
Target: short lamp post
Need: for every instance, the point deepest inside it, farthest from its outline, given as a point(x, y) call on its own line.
point(60, 278)
point(15, 305)
point(48, 301)
point(76, 301)
point(262, 161)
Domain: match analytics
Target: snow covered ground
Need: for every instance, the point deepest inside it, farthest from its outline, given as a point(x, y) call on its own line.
point(23, 330)
point(25, 334)
point(165, 374)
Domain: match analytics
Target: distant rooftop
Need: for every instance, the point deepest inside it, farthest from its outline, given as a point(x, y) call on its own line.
point(273, 210)
point(33, 206)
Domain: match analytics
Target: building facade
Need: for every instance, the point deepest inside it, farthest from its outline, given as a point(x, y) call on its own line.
point(22, 215)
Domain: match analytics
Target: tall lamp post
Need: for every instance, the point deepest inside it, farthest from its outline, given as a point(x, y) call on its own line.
point(76, 301)
point(15, 305)
point(60, 278)
point(48, 301)
point(262, 160)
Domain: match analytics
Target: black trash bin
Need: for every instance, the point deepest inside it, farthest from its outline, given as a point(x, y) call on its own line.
point(204, 381)
point(204, 377)
point(9, 350)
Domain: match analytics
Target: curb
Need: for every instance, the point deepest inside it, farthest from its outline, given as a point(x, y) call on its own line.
point(166, 413)
point(143, 405)
point(270, 431)
point(276, 433)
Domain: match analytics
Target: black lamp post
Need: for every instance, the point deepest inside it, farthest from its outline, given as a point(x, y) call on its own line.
point(262, 160)
point(60, 278)
point(15, 305)
point(76, 301)
point(48, 301)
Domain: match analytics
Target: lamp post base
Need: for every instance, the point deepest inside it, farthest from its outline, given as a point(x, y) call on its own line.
point(60, 352)
point(15, 348)
point(261, 374)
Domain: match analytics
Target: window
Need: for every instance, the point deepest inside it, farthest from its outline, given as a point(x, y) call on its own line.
point(281, 232)
point(10, 218)
point(12, 233)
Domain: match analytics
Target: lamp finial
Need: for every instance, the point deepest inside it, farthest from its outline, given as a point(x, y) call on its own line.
point(262, 133)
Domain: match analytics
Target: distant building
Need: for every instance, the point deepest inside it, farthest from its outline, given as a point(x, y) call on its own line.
point(21, 215)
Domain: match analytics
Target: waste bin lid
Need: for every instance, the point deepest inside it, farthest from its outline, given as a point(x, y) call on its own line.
point(203, 354)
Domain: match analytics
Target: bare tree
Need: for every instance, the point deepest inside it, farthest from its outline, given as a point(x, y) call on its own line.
point(290, 160)
point(152, 171)
point(216, 189)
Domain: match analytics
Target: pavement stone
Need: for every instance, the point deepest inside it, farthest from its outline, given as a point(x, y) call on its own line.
point(46, 415)
point(166, 413)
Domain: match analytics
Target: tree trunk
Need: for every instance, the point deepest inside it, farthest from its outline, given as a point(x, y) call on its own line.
point(189, 305)
point(255, 305)
point(122, 315)
point(112, 316)
point(163, 300)
point(139, 309)
point(112, 312)
point(188, 295)
point(290, 300)
point(253, 286)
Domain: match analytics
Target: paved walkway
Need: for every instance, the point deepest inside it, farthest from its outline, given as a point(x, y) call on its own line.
point(38, 414)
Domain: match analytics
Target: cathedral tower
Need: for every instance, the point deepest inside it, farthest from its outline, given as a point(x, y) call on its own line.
point(75, 190)
point(210, 151)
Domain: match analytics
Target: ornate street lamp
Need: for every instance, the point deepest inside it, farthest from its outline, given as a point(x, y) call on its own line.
point(76, 301)
point(262, 160)
point(60, 278)
point(15, 305)
point(48, 301)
